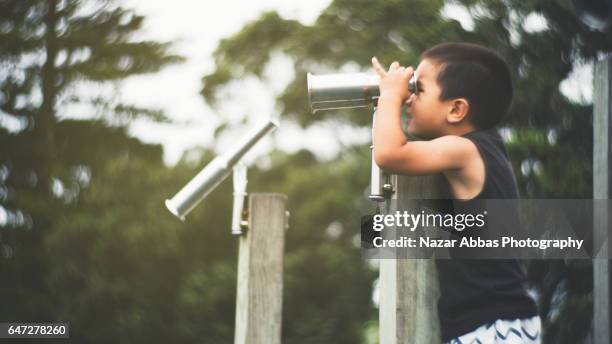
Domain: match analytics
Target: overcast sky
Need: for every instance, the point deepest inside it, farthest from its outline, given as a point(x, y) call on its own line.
point(196, 28)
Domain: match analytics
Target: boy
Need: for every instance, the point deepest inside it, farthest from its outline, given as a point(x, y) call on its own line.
point(463, 91)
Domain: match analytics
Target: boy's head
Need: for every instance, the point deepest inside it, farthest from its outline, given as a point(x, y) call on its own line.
point(461, 86)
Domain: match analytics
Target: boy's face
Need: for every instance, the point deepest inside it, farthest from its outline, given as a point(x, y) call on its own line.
point(426, 112)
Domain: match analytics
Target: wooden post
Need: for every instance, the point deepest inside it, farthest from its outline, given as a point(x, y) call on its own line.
point(260, 271)
point(409, 288)
point(602, 190)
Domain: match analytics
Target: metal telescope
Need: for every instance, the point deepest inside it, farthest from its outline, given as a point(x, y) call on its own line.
point(215, 172)
point(353, 90)
point(346, 90)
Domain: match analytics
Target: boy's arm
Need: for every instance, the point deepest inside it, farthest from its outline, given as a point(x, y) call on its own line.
point(392, 152)
point(424, 157)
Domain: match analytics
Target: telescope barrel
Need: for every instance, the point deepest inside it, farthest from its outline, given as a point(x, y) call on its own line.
point(214, 173)
point(347, 90)
point(342, 90)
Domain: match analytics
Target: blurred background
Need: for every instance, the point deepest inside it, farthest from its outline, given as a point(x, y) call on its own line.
point(108, 107)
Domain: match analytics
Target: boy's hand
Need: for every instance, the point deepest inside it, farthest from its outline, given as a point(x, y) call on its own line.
point(393, 83)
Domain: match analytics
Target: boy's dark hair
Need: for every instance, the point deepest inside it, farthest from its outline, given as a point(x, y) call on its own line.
point(476, 73)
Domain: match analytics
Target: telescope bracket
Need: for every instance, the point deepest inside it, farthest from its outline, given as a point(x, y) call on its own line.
point(240, 207)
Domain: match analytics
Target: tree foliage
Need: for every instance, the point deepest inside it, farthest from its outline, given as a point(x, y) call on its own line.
point(52, 257)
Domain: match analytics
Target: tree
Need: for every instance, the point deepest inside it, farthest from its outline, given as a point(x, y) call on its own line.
point(47, 48)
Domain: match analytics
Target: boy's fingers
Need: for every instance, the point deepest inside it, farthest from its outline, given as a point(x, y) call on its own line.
point(394, 65)
point(377, 67)
point(408, 72)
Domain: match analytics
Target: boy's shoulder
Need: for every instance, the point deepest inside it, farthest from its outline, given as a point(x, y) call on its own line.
point(463, 147)
point(487, 141)
point(491, 169)
point(468, 179)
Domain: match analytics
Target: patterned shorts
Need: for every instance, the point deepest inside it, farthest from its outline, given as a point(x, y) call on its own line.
point(504, 331)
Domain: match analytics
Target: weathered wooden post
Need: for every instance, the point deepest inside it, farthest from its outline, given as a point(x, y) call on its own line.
point(260, 261)
point(409, 288)
point(602, 190)
point(260, 271)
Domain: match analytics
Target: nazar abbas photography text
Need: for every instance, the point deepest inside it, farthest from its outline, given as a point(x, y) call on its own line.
point(409, 221)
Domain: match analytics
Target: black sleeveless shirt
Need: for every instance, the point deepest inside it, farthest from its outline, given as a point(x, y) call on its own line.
point(474, 292)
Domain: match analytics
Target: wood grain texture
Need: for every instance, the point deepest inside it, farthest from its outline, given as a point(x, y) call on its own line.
point(260, 271)
point(409, 288)
point(602, 132)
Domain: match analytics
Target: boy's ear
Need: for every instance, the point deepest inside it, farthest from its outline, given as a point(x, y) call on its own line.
point(459, 110)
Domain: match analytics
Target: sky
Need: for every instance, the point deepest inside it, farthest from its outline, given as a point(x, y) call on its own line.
point(196, 27)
